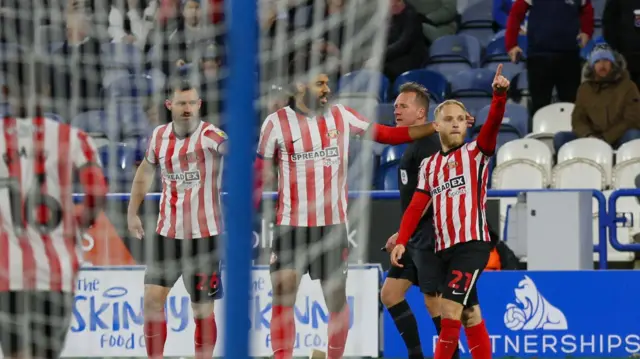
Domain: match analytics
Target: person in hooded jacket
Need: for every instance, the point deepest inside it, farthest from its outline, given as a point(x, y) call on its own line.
point(607, 104)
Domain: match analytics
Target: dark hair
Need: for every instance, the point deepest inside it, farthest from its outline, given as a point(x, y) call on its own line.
point(422, 94)
point(302, 64)
point(179, 84)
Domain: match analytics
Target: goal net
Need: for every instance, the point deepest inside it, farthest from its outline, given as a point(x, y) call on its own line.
point(108, 64)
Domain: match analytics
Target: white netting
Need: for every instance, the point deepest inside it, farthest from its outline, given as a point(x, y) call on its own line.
point(105, 67)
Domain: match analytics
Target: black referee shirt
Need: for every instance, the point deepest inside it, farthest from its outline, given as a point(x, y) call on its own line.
point(408, 172)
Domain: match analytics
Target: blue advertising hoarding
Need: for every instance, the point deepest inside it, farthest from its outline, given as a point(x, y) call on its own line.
point(544, 314)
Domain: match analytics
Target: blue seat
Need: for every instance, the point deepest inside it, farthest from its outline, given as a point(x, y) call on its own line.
point(598, 10)
point(522, 83)
point(384, 114)
point(516, 119)
point(473, 82)
point(130, 86)
point(127, 119)
point(504, 137)
point(10, 51)
point(449, 69)
point(483, 34)
point(392, 154)
point(91, 122)
point(477, 15)
point(53, 116)
point(390, 178)
point(475, 103)
point(122, 55)
point(118, 161)
point(365, 81)
point(456, 48)
point(496, 50)
point(509, 69)
point(435, 82)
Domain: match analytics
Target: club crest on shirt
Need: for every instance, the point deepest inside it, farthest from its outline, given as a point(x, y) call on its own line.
point(452, 164)
point(333, 134)
point(192, 157)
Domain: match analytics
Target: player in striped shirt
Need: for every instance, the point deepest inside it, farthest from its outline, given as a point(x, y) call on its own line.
point(454, 181)
point(189, 153)
point(40, 252)
point(309, 140)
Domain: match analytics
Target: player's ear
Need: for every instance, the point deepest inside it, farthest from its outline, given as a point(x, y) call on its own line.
point(422, 112)
point(199, 103)
point(167, 104)
point(300, 87)
point(436, 125)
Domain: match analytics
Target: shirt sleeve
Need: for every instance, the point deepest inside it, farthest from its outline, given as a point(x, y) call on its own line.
point(151, 155)
point(268, 139)
point(84, 152)
point(423, 183)
point(358, 124)
point(213, 137)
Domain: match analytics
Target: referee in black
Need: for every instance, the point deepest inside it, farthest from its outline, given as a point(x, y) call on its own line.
point(420, 264)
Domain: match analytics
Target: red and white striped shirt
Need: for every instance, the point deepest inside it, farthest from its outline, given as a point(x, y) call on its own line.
point(457, 184)
point(39, 238)
point(312, 156)
point(191, 170)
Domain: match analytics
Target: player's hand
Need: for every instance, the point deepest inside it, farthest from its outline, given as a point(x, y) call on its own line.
point(135, 227)
point(514, 54)
point(470, 120)
point(391, 242)
point(500, 83)
point(396, 255)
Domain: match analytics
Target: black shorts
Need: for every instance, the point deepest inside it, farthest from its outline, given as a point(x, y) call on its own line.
point(34, 322)
point(462, 265)
point(196, 260)
point(422, 268)
point(322, 252)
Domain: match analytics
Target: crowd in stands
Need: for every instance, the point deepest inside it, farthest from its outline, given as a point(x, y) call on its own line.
point(107, 61)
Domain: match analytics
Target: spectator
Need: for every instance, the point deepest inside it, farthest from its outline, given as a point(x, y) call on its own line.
point(132, 22)
point(608, 102)
point(621, 30)
point(438, 17)
point(210, 85)
point(555, 32)
point(77, 82)
point(406, 49)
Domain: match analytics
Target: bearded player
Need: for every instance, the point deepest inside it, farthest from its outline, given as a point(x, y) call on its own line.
point(309, 142)
point(455, 180)
point(189, 153)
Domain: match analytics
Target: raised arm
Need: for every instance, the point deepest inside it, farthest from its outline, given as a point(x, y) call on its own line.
point(488, 135)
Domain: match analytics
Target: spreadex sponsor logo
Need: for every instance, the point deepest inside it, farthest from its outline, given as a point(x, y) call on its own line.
point(323, 154)
point(456, 184)
point(188, 176)
point(540, 327)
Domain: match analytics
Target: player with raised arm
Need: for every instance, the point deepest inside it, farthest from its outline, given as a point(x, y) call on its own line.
point(40, 251)
point(309, 141)
point(455, 182)
point(421, 265)
point(189, 153)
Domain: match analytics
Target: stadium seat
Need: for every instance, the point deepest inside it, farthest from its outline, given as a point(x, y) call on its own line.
point(449, 69)
point(47, 34)
point(131, 86)
point(497, 52)
point(478, 15)
point(584, 163)
point(365, 81)
point(473, 82)
point(118, 163)
point(127, 119)
point(384, 114)
point(627, 166)
point(522, 163)
point(516, 119)
point(392, 154)
point(456, 48)
point(91, 122)
point(474, 104)
point(483, 34)
point(435, 82)
point(54, 117)
point(112, 75)
point(10, 51)
point(598, 10)
point(550, 120)
point(509, 69)
point(364, 104)
point(390, 178)
point(122, 56)
point(158, 79)
point(522, 84)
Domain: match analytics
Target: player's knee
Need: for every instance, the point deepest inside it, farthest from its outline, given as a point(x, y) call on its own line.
point(154, 298)
point(285, 288)
point(391, 296)
point(432, 301)
point(335, 295)
point(450, 309)
point(202, 310)
point(471, 316)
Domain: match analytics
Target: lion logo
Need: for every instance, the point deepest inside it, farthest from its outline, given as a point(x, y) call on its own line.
point(533, 311)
